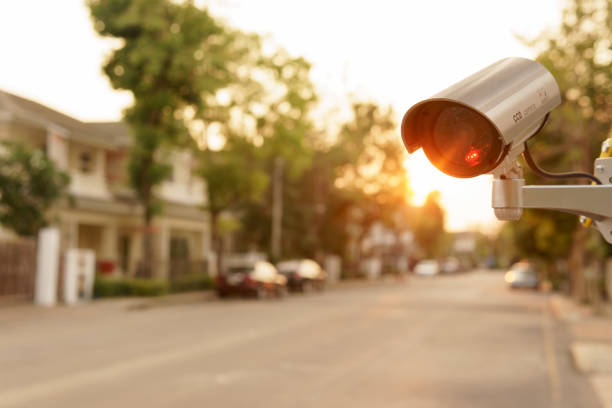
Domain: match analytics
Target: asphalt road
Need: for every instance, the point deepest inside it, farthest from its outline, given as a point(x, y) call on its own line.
point(457, 341)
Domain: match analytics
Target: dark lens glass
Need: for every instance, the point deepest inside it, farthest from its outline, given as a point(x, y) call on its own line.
point(464, 138)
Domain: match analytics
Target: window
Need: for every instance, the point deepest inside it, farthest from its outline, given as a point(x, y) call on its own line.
point(124, 253)
point(179, 248)
point(86, 162)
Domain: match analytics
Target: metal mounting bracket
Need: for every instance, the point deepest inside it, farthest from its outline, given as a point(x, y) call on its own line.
point(510, 196)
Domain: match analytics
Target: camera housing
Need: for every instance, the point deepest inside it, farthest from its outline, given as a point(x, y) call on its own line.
point(479, 125)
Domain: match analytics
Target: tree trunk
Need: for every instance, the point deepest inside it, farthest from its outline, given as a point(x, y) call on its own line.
point(146, 197)
point(577, 252)
point(277, 209)
point(576, 265)
point(147, 243)
point(217, 243)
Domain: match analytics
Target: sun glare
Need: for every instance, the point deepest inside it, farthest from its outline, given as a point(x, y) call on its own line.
point(467, 202)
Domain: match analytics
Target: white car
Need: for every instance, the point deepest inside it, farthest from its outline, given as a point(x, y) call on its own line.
point(427, 267)
point(303, 275)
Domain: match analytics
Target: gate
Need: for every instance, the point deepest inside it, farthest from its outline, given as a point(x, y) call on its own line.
point(17, 268)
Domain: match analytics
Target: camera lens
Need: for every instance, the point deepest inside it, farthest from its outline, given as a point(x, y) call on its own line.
point(461, 142)
point(462, 136)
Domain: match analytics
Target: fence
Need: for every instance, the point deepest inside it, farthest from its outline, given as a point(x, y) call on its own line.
point(17, 268)
point(172, 270)
point(179, 268)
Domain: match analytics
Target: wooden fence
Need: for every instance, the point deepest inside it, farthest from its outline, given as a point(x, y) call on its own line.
point(17, 268)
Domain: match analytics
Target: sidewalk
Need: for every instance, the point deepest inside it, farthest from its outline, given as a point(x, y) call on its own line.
point(591, 349)
point(106, 307)
point(24, 310)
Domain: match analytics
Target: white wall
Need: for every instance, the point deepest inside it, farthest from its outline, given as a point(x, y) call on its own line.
point(57, 149)
point(185, 187)
point(92, 183)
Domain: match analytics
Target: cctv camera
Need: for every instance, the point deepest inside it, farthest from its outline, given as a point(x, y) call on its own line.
point(480, 124)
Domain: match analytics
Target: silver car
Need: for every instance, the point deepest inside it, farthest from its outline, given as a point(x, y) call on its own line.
point(523, 274)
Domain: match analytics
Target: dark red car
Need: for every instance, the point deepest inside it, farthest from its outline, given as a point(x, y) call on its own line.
point(259, 279)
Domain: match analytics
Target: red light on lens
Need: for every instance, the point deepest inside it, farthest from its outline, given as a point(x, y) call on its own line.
point(473, 156)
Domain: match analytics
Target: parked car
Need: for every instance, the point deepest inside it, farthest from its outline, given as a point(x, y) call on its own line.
point(451, 265)
point(523, 274)
point(260, 279)
point(427, 267)
point(303, 275)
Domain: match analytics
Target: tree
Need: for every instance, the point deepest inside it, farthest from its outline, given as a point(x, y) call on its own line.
point(29, 185)
point(348, 179)
point(429, 225)
point(367, 160)
point(233, 178)
point(269, 106)
point(578, 55)
point(172, 60)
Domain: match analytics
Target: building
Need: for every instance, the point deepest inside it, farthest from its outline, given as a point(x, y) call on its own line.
point(103, 213)
point(385, 250)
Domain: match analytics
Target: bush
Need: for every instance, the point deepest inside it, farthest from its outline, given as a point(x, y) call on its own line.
point(110, 287)
point(148, 287)
point(191, 282)
point(114, 287)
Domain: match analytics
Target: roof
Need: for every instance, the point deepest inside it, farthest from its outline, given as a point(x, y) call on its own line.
point(119, 130)
point(104, 134)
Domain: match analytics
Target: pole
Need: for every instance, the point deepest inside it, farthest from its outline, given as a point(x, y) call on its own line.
point(277, 208)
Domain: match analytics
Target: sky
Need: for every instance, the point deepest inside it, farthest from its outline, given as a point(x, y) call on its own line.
point(389, 51)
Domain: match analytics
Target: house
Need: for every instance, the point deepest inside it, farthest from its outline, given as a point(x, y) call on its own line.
point(386, 250)
point(103, 213)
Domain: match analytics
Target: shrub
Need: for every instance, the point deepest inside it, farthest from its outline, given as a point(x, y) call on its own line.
point(113, 287)
point(148, 287)
point(191, 282)
point(110, 287)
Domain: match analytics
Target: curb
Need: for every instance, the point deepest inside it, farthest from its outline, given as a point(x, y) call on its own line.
point(592, 357)
point(172, 300)
point(603, 388)
point(566, 310)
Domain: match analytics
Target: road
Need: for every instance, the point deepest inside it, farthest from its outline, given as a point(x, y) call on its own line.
point(456, 341)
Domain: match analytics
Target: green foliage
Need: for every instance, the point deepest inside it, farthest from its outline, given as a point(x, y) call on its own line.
point(355, 181)
point(233, 179)
point(429, 225)
point(147, 287)
point(110, 287)
point(191, 282)
point(29, 185)
point(171, 59)
point(233, 175)
point(266, 114)
point(370, 183)
point(174, 60)
point(120, 286)
point(287, 127)
point(368, 155)
point(351, 179)
point(578, 55)
point(540, 235)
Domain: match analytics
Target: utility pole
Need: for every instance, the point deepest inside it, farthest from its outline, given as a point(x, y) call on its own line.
point(277, 208)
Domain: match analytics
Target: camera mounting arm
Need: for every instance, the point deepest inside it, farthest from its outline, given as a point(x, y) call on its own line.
point(511, 195)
